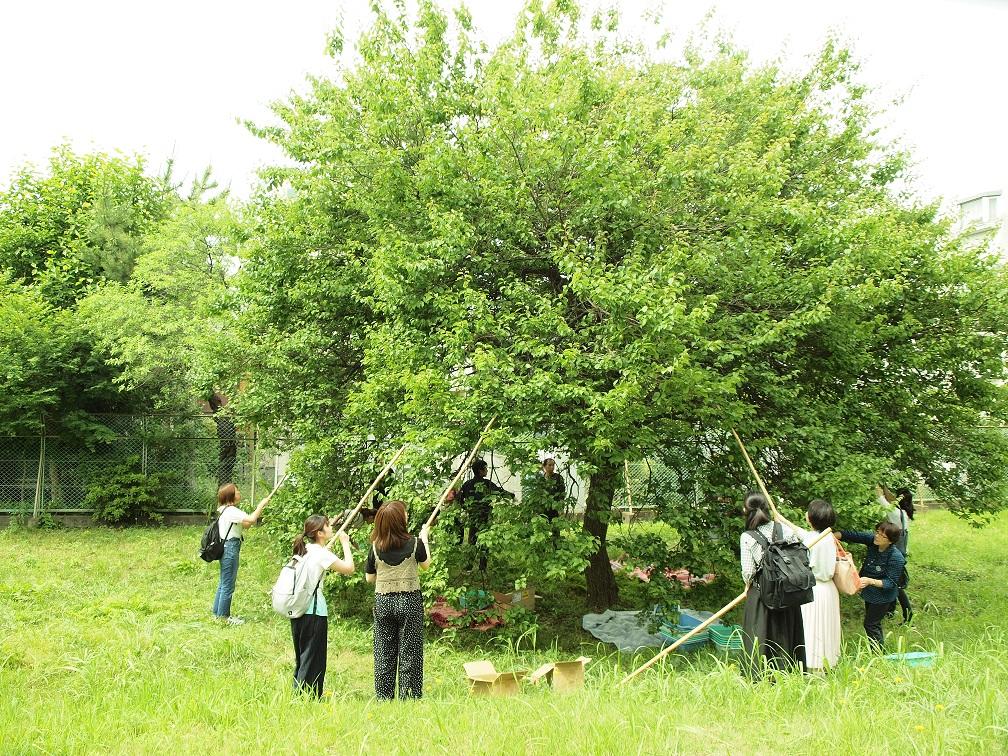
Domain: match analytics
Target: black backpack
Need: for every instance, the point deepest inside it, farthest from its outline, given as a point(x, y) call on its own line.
point(783, 576)
point(212, 545)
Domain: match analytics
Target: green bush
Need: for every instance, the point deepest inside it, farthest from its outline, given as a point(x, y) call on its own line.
point(124, 495)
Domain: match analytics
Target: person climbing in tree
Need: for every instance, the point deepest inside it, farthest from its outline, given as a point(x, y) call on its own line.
point(378, 497)
point(554, 489)
point(475, 500)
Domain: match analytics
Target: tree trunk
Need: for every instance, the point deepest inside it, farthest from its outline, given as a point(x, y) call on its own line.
point(227, 439)
point(601, 584)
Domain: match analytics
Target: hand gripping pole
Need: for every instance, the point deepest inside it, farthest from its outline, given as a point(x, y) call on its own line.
point(364, 498)
point(461, 472)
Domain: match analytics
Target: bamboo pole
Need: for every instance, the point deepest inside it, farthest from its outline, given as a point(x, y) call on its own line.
point(275, 489)
point(364, 498)
point(705, 624)
point(702, 626)
point(461, 472)
point(756, 475)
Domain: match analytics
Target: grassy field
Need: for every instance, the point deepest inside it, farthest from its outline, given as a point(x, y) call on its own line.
point(106, 646)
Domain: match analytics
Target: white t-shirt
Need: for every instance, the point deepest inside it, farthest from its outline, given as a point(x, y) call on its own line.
point(318, 559)
point(228, 515)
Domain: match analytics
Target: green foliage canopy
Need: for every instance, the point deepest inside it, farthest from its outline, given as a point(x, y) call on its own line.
point(619, 256)
point(115, 292)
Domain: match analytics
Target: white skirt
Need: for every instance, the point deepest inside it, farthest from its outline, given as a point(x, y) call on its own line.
point(821, 618)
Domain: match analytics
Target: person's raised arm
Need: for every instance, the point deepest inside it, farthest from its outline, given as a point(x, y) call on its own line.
point(253, 518)
point(344, 566)
point(857, 536)
point(425, 540)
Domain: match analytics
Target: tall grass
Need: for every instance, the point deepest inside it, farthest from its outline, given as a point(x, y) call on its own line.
point(106, 646)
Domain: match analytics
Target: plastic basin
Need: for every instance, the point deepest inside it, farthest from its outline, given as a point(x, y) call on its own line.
point(914, 658)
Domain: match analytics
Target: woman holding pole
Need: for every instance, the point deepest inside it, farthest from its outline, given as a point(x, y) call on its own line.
point(231, 523)
point(310, 631)
point(393, 565)
point(770, 637)
point(821, 616)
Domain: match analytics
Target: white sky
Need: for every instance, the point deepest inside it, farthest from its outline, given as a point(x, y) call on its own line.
point(171, 79)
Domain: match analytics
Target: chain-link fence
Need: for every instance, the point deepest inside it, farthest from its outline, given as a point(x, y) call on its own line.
point(651, 485)
point(54, 471)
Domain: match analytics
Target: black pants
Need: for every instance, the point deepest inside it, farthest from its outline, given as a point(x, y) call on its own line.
point(398, 644)
point(873, 616)
point(477, 521)
point(311, 634)
point(904, 602)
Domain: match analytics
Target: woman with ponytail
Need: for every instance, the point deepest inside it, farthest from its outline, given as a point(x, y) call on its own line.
point(770, 637)
point(310, 631)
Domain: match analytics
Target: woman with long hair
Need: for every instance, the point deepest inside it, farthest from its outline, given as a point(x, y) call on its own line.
point(821, 616)
point(771, 638)
point(393, 565)
point(901, 516)
point(310, 631)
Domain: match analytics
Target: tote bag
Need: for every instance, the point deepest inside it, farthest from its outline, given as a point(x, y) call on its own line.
point(846, 578)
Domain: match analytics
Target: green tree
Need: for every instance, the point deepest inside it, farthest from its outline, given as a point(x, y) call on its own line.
point(620, 257)
point(31, 353)
point(169, 330)
point(79, 223)
point(131, 276)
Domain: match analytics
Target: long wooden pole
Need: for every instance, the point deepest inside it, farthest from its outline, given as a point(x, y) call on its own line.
point(705, 624)
point(461, 472)
point(371, 488)
point(756, 475)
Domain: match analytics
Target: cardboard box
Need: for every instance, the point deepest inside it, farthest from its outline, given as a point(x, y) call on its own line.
point(564, 676)
point(525, 598)
point(484, 680)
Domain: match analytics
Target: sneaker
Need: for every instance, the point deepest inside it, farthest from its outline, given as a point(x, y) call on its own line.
point(235, 621)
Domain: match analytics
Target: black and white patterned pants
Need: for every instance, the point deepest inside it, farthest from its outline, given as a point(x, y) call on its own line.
point(398, 643)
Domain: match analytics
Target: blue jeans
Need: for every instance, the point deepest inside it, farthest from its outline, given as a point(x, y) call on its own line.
point(228, 576)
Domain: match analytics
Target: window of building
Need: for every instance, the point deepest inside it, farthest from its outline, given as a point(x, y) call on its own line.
point(972, 211)
point(981, 210)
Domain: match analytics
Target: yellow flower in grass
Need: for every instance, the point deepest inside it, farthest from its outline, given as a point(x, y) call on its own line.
point(919, 728)
point(898, 680)
point(939, 707)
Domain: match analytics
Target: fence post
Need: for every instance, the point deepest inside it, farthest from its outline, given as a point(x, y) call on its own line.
point(143, 445)
point(40, 479)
